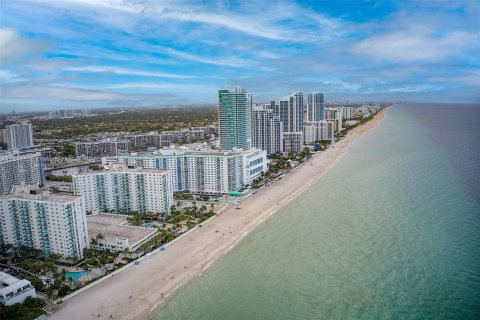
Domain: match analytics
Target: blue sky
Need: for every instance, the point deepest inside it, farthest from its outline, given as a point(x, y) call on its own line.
point(92, 53)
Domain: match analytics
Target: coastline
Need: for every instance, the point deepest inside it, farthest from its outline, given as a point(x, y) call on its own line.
point(136, 291)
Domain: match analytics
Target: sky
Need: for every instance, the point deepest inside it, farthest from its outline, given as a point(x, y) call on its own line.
point(112, 53)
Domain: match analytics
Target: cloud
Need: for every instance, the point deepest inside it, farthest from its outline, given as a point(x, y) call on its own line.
point(58, 93)
point(225, 61)
point(7, 76)
point(414, 44)
point(178, 87)
point(14, 46)
point(124, 71)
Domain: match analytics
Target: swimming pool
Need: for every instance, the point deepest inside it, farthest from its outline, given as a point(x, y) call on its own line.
point(76, 274)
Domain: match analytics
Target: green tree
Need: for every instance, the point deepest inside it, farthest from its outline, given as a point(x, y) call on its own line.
point(68, 150)
point(37, 283)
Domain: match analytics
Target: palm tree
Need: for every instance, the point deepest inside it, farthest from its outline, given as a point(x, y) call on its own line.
point(100, 237)
point(93, 242)
point(64, 274)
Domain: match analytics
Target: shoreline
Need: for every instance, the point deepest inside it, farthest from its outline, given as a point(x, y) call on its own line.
point(136, 291)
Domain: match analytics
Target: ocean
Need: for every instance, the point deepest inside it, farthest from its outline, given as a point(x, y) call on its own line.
point(391, 232)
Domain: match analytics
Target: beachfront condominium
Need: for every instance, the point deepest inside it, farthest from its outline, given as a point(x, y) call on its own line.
point(210, 172)
point(19, 136)
point(315, 106)
point(290, 111)
point(292, 142)
point(267, 130)
point(235, 107)
point(318, 130)
point(334, 115)
point(16, 169)
point(348, 113)
point(121, 189)
point(32, 217)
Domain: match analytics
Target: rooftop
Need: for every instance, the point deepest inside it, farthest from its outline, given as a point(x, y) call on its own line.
point(174, 152)
point(33, 192)
point(110, 226)
point(121, 168)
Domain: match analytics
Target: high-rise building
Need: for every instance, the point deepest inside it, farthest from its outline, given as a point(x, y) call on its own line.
point(33, 218)
point(335, 115)
point(318, 130)
point(235, 107)
point(267, 130)
point(315, 106)
point(290, 111)
point(348, 113)
point(17, 169)
point(123, 189)
point(210, 172)
point(19, 136)
point(292, 142)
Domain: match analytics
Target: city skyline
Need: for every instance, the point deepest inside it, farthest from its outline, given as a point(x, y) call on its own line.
point(105, 54)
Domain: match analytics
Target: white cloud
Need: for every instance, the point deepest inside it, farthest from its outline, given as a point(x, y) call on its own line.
point(117, 70)
point(57, 93)
point(13, 46)
point(8, 77)
point(262, 20)
point(414, 45)
point(190, 87)
point(226, 61)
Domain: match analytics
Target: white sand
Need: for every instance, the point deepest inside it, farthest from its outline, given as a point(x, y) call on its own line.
point(137, 290)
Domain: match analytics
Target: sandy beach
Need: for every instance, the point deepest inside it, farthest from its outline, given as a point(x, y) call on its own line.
point(137, 290)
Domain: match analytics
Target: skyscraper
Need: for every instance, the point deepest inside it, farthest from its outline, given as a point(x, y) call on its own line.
point(267, 130)
point(19, 136)
point(315, 106)
point(290, 111)
point(234, 117)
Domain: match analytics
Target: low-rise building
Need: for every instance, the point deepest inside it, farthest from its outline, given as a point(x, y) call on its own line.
point(13, 290)
point(117, 234)
point(53, 223)
point(98, 149)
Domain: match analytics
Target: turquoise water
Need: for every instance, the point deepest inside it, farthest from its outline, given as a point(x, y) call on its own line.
point(391, 232)
point(76, 274)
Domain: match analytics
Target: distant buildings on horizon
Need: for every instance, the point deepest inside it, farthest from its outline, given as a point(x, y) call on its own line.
point(145, 181)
